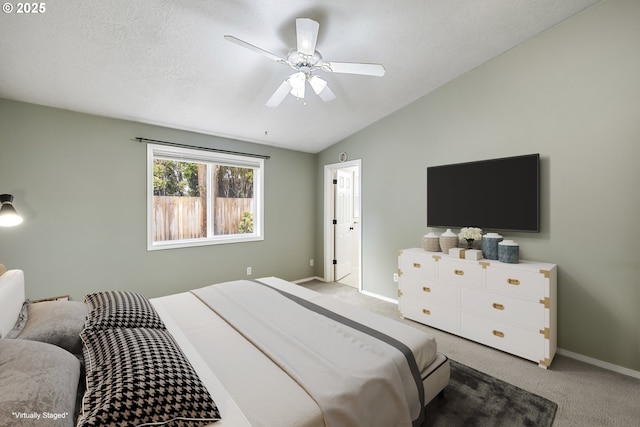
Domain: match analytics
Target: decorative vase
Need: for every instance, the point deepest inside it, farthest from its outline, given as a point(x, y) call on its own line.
point(469, 243)
point(431, 242)
point(490, 245)
point(448, 240)
point(508, 252)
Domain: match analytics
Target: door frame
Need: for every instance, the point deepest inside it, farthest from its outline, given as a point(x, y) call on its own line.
point(329, 246)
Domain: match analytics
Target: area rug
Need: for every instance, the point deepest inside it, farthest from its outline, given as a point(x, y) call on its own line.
point(473, 398)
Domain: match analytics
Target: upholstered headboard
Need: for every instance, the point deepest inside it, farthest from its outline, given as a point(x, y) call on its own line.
point(12, 297)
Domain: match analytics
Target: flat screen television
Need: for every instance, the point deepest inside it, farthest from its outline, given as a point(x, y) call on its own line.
point(499, 194)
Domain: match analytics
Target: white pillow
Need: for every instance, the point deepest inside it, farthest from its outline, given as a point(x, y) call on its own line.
point(12, 297)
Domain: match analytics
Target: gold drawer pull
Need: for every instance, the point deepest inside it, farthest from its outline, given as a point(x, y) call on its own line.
point(417, 265)
point(513, 281)
point(459, 272)
point(426, 289)
point(425, 311)
point(498, 334)
point(498, 306)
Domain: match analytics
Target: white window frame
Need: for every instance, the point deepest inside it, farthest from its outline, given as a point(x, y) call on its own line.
point(202, 156)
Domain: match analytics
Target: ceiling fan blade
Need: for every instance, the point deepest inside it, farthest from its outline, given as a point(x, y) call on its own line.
point(254, 48)
point(307, 35)
point(354, 68)
point(279, 95)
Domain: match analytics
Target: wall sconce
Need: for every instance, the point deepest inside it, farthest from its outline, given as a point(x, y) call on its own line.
point(8, 214)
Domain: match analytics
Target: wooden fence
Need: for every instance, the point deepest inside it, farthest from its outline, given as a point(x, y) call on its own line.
point(228, 213)
point(178, 218)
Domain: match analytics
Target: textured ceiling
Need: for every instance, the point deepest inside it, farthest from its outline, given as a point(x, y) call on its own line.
point(167, 63)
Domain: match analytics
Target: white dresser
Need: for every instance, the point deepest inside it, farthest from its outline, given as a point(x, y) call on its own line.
point(511, 307)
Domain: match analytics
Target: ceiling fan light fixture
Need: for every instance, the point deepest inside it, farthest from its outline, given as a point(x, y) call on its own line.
point(298, 93)
point(318, 84)
point(297, 82)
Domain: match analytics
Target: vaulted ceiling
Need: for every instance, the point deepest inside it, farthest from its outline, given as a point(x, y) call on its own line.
point(167, 62)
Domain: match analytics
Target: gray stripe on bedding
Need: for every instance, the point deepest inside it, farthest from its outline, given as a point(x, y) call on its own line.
point(355, 378)
point(400, 346)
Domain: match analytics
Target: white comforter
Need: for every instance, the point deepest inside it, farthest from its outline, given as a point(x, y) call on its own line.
point(239, 375)
point(356, 379)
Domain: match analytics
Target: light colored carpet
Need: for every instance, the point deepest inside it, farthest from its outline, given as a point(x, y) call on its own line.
point(586, 395)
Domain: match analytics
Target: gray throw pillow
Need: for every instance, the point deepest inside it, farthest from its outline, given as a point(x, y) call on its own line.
point(56, 322)
point(38, 384)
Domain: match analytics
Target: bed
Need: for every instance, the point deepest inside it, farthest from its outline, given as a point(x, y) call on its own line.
point(216, 337)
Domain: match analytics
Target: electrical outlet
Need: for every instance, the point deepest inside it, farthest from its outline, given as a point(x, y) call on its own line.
point(395, 277)
point(311, 262)
point(248, 271)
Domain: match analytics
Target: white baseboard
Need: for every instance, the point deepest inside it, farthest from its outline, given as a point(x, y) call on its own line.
point(600, 363)
point(308, 279)
point(383, 298)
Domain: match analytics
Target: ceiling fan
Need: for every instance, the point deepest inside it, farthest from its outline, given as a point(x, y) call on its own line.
point(304, 60)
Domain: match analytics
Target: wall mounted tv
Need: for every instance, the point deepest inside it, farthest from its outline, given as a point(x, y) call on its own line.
point(499, 194)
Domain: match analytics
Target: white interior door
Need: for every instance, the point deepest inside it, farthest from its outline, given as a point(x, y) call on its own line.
point(343, 215)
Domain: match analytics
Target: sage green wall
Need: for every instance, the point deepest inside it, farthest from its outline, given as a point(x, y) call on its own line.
point(80, 182)
point(571, 94)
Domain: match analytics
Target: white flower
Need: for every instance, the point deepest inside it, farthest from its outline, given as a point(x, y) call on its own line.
point(470, 233)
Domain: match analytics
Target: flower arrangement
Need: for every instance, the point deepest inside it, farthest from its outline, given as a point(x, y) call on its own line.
point(470, 234)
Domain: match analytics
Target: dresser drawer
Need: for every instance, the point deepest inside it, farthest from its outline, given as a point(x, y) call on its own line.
point(527, 313)
point(524, 283)
point(526, 343)
point(425, 290)
point(460, 272)
point(418, 265)
point(435, 315)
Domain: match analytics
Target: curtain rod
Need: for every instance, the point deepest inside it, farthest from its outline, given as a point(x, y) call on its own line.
point(217, 150)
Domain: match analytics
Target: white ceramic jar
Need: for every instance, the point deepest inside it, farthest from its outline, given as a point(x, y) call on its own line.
point(448, 240)
point(431, 242)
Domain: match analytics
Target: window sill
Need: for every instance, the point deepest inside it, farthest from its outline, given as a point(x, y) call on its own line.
point(202, 242)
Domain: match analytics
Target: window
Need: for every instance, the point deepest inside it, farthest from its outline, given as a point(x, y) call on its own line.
point(197, 197)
